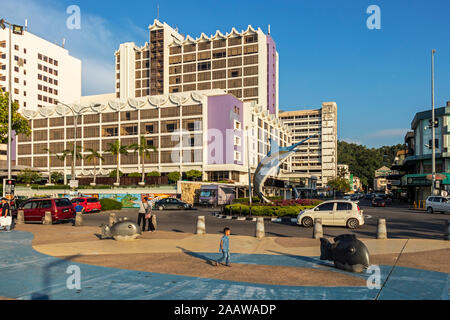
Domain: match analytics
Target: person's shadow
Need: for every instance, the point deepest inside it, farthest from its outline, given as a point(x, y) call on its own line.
point(198, 256)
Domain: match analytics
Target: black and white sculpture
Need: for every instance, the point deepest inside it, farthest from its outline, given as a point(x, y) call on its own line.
point(347, 253)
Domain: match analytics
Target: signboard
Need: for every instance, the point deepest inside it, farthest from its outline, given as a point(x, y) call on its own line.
point(438, 176)
point(17, 29)
point(8, 188)
point(73, 183)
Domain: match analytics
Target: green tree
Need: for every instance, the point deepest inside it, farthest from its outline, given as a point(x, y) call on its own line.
point(19, 124)
point(28, 176)
point(93, 157)
point(144, 151)
point(153, 174)
point(194, 175)
point(339, 184)
point(57, 176)
point(68, 153)
point(116, 149)
point(113, 173)
point(174, 176)
point(363, 161)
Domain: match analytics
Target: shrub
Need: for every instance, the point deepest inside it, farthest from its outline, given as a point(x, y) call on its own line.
point(262, 210)
point(110, 204)
point(174, 176)
point(153, 174)
point(113, 173)
point(256, 199)
point(135, 174)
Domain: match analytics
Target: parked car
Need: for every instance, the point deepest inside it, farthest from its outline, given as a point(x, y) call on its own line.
point(34, 210)
point(369, 196)
point(89, 204)
point(333, 213)
point(437, 204)
point(171, 203)
point(378, 202)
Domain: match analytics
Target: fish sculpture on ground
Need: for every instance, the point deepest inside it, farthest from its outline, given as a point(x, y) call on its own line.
point(347, 253)
point(270, 163)
point(121, 230)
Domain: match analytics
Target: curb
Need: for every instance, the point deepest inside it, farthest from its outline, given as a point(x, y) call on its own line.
point(222, 216)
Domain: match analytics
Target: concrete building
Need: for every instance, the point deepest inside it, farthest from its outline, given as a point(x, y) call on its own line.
point(201, 130)
point(318, 156)
point(416, 167)
point(244, 64)
point(43, 72)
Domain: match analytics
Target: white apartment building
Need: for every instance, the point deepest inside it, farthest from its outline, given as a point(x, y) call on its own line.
point(201, 130)
point(43, 72)
point(244, 64)
point(318, 156)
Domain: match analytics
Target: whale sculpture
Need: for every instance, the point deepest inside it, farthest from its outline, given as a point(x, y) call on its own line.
point(270, 163)
point(121, 230)
point(347, 253)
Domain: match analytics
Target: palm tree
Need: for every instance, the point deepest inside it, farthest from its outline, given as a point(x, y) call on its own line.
point(69, 152)
point(62, 157)
point(92, 157)
point(144, 151)
point(49, 164)
point(116, 149)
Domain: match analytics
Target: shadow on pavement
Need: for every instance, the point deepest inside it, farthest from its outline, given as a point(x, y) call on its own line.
point(197, 255)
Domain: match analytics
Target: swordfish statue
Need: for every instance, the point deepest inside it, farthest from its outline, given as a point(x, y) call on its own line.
point(271, 162)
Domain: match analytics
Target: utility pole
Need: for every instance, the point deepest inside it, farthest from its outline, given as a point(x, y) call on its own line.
point(9, 101)
point(433, 134)
point(249, 173)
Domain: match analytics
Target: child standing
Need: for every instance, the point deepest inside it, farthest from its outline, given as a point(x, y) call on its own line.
point(225, 248)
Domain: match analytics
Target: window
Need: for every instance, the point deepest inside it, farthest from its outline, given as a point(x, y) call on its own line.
point(237, 141)
point(171, 127)
point(204, 66)
point(344, 206)
point(149, 128)
point(237, 156)
point(237, 125)
point(326, 207)
point(46, 204)
point(63, 203)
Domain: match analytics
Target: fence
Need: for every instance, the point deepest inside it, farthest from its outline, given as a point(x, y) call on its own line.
point(124, 181)
point(419, 204)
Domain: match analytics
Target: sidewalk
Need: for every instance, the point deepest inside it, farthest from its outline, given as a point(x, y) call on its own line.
point(269, 268)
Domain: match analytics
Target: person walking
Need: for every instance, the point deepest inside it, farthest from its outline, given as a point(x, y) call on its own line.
point(142, 212)
point(225, 248)
point(150, 217)
point(5, 207)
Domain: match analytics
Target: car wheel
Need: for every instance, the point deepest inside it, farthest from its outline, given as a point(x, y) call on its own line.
point(352, 223)
point(430, 210)
point(307, 222)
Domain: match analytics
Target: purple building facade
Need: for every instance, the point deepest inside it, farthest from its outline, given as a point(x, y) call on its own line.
point(271, 75)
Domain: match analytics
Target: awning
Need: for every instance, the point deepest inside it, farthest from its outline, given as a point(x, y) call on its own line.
point(420, 179)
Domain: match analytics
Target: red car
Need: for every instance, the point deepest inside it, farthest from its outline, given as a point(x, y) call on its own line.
point(378, 202)
point(34, 210)
point(89, 204)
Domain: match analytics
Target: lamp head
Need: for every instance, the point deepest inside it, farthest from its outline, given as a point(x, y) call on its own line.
point(2, 24)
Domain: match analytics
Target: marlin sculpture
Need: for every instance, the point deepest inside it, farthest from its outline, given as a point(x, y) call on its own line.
point(271, 162)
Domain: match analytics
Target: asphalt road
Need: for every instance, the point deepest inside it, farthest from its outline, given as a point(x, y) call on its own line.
point(401, 223)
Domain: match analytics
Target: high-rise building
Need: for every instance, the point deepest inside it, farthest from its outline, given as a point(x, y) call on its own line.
point(43, 72)
point(318, 156)
point(244, 64)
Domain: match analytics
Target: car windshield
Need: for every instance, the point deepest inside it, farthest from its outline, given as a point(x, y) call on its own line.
point(62, 202)
point(92, 200)
point(205, 193)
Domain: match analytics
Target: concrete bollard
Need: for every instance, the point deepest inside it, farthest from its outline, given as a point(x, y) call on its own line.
point(78, 219)
point(20, 217)
point(112, 219)
point(447, 230)
point(259, 232)
point(201, 228)
point(318, 230)
point(381, 229)
point(48, 220)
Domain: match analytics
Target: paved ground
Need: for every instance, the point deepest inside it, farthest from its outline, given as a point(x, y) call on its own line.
point(401, 223)
point(174, 265)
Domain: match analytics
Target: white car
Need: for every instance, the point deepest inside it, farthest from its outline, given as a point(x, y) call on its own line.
point(437, 204)
point(333, 213)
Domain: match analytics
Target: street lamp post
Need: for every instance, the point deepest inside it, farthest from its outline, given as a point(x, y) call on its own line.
point(433, 134)
point(75, 118)
point(249, 173)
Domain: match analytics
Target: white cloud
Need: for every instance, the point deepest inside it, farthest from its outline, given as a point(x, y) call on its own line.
point(94, 44)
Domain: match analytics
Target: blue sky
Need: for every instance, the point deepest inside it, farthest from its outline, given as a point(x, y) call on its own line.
point(379, 78)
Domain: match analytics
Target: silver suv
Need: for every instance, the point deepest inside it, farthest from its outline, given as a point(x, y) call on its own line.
point(437, 204)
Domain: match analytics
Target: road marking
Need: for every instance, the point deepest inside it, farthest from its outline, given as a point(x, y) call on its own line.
point(367, 216)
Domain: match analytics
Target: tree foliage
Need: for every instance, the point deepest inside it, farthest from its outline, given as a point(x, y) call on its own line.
point(363, 161)
point(28, 176)
point(174, 176)
point(19, 123)
point(194, 175)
